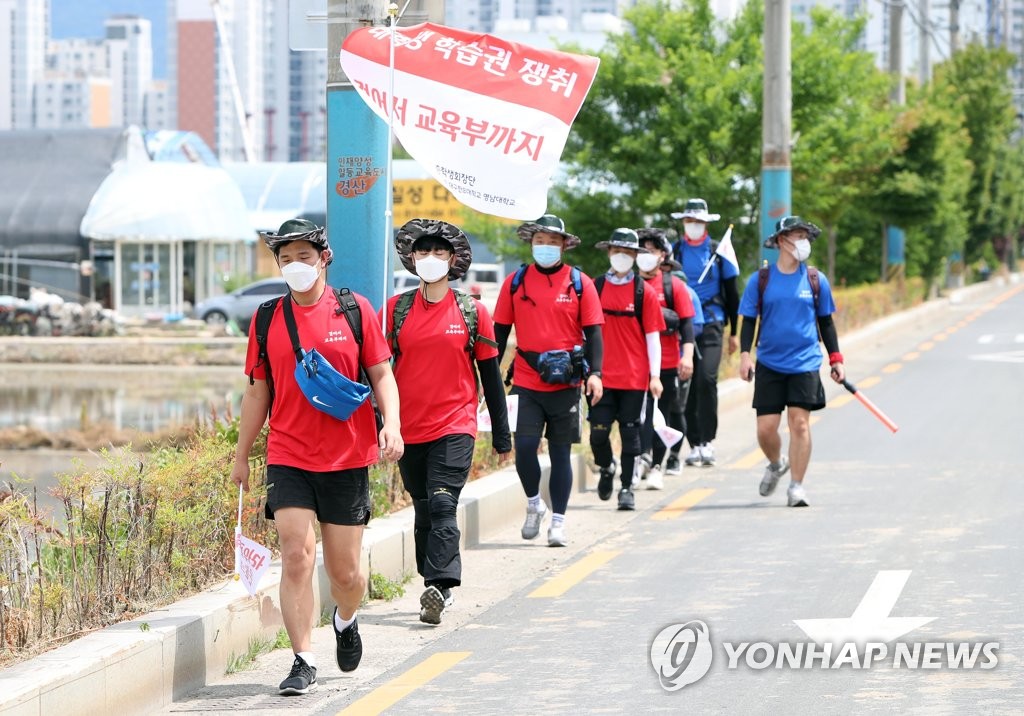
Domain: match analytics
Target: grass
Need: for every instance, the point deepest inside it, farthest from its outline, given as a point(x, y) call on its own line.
point(257, 647)
point(381, 587)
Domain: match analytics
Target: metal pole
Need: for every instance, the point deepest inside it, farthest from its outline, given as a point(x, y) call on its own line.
point(776, 170)
point(923, 69)
point(893, 237)
point(954, 26)
point(357, 143)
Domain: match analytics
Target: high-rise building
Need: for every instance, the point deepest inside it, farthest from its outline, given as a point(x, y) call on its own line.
point(130, 61)
point(216, 71)
point(23, 33)
point(77, 57)
point(68, 102)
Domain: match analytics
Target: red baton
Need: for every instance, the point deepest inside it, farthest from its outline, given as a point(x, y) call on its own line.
point(875, 410)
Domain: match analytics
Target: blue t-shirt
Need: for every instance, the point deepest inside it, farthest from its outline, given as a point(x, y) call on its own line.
point(698, 311)
point(788, 335)
point(694, 259)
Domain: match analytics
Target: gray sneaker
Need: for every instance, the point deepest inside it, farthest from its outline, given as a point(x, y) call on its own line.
point(771, 476)
point(531, 527)
point(694, 457)
point(433, 602)
point(626, 499)
point(795, 495)
point(707, 455)
point(301, 680)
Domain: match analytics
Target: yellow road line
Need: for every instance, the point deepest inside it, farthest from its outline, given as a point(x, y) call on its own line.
point(913, 355)
point(926, 346)
point(681, 505)
point(573, 575)
point(892, 367)
point(840, 400)
point(939, 337)
point(389, 694)
point(868, 382)
point(748, 461)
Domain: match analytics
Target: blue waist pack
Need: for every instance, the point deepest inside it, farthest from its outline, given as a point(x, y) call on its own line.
point(325, 388)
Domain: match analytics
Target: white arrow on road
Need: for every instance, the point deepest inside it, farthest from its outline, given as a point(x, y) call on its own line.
point(870, 621)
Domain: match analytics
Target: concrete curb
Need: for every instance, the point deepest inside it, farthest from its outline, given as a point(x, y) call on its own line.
point(143, 665)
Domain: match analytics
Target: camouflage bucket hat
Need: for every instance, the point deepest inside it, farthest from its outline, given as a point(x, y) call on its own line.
point(624, 239)
point(297, 230)
point(659, 237)
point(552, 225)
point(423, 228)
point(791, 223)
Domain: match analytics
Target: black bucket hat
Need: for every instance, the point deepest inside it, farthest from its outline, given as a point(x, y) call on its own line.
point(696, 209)
point(660, 237)
point(624, 239)
point(422, 228)
point(297, 230)
point(550, 224)
point(791, 223)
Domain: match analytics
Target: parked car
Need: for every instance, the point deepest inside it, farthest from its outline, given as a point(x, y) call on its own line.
point(241, 303)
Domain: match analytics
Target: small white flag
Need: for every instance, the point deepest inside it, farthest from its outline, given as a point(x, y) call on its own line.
point(483, 417)
point(726, 251)
point(253, 561)
point(669, 436)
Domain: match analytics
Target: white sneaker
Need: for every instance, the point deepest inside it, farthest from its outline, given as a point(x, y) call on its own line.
point(771, 476)
point(531, 527)
point(655, 480)
point(556, 536)
point(694, 457)
point(642, 468)
point(795, 495)
point(707, 455)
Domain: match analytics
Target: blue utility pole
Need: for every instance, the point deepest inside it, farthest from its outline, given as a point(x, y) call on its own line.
point(776, 168)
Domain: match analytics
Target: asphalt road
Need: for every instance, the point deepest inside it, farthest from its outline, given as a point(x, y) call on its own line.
point(911, 541)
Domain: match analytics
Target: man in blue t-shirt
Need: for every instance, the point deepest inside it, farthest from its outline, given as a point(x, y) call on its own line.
point(794, 303)
point(718, 298)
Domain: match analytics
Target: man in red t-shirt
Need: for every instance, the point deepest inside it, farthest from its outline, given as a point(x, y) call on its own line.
point(633, 323)
point(431, 330)
point(316, 463)
point(557, 316)
point(656, 268)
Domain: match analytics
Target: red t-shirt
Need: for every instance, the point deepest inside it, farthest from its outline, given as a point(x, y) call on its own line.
point(683, 306)
point(436, 380)
point(626, 366)
point(547, 317)
point(300, 435)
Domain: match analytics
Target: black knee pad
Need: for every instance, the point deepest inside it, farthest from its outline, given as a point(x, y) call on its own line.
point(442, 505)
point(599, 433)
point(630, 434)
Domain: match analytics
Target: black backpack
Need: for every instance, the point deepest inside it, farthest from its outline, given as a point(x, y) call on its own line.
point(638, 300)
point(265, 314)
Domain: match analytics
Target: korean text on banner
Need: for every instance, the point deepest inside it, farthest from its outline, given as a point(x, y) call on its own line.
point(254, 561)
point(487, 117)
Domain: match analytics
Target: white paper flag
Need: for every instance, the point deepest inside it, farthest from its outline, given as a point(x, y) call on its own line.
point(253, 560)
point(669, 436)
point(483, 417)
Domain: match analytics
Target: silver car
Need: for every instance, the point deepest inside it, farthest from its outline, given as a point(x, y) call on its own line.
point(241, 303)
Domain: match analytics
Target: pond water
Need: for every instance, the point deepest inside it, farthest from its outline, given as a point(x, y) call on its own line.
point(66, 397)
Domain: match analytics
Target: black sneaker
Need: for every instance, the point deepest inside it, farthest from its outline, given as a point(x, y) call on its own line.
point(433, 602)
point(301, 679)
point(350, 646)
point(672, 466)
point(626, 500)
point(606, 483)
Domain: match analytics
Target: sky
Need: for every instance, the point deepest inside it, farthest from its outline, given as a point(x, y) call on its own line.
point(84, 18)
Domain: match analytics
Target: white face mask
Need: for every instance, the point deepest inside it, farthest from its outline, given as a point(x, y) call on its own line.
point(694, 230)
point(300, 276)
point(647, 262)
point(431, 269)
point(621, 263)
point(801, 249)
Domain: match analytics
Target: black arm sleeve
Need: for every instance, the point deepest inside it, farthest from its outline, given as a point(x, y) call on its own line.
point(827, 328)
point(732, 304)
point(494, 395)
point(686, 330)
point(594, 350)
point(747, 334)
point(501, 331)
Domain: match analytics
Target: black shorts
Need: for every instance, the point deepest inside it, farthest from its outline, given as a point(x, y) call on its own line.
point(558, 409)
point(773, 391)
point(341, 497)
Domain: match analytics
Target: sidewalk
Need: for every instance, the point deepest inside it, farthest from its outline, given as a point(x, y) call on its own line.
point(144, 665)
